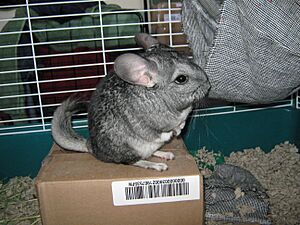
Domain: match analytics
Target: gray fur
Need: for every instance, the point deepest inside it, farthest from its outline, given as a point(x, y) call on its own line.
point(128, 122)
point(62, 131)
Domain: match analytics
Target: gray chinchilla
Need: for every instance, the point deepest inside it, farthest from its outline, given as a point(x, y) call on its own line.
point(136, 108)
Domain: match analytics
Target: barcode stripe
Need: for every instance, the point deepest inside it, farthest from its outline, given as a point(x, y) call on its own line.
point(156, 191)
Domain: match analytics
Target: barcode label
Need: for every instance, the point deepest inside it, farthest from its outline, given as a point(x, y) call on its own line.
point(156, 191)
point(134, 192)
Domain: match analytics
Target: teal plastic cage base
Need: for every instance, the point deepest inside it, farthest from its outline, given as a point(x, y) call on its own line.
point(22, 154)
point(236, 131)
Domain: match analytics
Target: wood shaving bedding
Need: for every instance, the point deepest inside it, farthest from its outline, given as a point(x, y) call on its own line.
point(278, 171)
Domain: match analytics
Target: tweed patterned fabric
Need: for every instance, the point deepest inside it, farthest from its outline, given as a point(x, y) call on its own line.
point(250, 49)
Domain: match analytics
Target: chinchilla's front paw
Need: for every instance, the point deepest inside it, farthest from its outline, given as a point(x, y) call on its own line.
point(177, 130)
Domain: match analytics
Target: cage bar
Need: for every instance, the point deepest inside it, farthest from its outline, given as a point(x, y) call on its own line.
point(54, 68)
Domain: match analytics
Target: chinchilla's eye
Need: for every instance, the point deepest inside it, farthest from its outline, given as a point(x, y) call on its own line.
point(181, 79)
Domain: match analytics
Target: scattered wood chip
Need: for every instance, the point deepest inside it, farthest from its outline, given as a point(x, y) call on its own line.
point(238, 193)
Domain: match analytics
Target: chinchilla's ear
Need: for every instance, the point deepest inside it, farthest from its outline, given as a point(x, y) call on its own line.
point(136, 70)
point(146, 40)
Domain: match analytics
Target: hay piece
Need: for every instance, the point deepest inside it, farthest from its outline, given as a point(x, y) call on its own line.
point(18, 203)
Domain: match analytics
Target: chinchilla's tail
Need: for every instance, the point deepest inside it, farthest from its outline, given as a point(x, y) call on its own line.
point(62, 131)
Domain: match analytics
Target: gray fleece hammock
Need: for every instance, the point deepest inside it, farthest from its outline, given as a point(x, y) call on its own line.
point(233, 194)
point(250, 49)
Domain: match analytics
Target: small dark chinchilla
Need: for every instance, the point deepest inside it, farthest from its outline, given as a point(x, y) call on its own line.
point(137, 108)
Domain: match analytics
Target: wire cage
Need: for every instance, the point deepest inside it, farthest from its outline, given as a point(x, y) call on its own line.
point(51, 49)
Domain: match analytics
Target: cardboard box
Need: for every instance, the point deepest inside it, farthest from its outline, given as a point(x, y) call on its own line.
point(76, 188)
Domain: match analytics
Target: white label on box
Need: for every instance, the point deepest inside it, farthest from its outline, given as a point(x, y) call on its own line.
point(148, 191)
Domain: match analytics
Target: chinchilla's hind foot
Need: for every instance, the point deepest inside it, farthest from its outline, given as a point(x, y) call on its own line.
point(164, 155)
point(151, 165)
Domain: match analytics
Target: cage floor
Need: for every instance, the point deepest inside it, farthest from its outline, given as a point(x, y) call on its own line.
point(277, 171)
